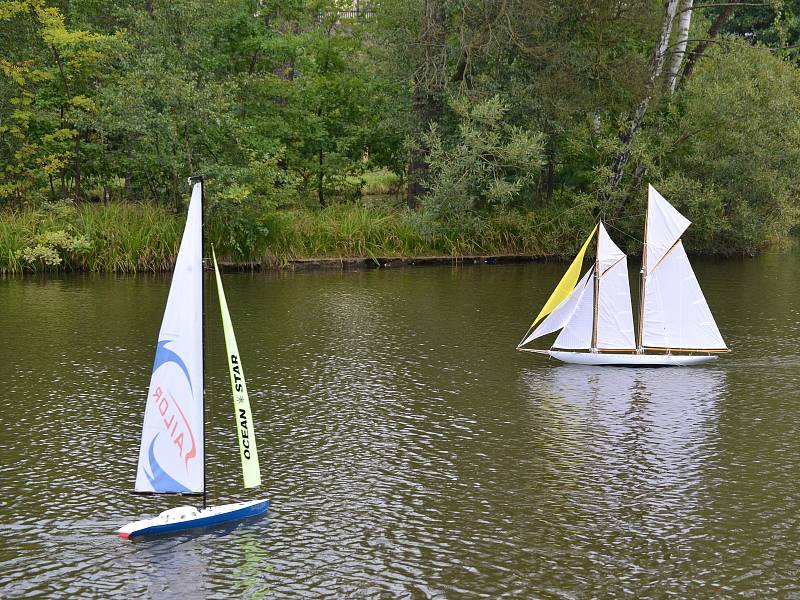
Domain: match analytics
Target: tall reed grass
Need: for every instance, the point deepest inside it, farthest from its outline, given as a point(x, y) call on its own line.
point(89, 237)
point(127, 237)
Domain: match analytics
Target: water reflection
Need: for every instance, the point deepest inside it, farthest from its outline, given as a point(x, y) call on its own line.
point(627, 454)
point(664, 416)
point(408, 450)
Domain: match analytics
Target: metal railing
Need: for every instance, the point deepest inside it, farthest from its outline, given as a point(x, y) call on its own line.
point(354, 14)
point(357, 13)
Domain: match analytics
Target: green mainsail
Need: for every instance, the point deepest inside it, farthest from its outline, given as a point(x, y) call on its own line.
point(241, 402)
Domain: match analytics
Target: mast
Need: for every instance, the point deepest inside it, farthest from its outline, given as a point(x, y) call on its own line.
point(596, 293)
point(642, 277)
point(203, 310)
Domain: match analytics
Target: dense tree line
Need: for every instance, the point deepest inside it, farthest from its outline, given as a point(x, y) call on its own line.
point(477, 107)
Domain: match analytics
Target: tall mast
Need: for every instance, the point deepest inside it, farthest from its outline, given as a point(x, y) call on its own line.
point(642, 278)
point(202, 319)
point(596, 292)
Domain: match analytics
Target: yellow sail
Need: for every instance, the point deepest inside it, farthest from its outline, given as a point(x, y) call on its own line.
point(566, 285)
point(241, 402)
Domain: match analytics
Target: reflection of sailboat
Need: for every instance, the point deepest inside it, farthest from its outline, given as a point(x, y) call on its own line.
point(595, 315)
point(172, 452)
point(655, 425)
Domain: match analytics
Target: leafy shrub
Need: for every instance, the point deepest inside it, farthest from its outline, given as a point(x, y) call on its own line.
point(734, 171)
point(54, 247)
point(487, 164)
point(235, 223)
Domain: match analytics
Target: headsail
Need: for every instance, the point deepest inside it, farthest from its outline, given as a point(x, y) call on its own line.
point(577, 332)
point(576, 313)
point(171, 452)
point(562, 314)
point(241, 402)
point(614, 313)
point(664, 227)
point(564, 287)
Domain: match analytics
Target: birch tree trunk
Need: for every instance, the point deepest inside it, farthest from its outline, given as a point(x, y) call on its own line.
point(656, 66)
point(680, 44)
point(429, 80)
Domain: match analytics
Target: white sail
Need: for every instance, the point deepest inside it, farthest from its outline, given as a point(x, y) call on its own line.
point(577, 332)
point(614, 313)
point(171, 453)
point(676, 314)
point(562, 313)
point(608, 253)
point(665, 226)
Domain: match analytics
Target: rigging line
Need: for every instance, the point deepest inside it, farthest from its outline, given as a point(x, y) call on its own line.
point(625, 217)
point(562, 213)
point(634, 238)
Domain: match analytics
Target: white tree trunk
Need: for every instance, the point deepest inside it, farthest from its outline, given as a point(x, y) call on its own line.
point(656, 66)
point(680, 45)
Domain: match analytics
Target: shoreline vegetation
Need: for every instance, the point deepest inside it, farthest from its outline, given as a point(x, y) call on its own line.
point(332, 130)
point(126, 237)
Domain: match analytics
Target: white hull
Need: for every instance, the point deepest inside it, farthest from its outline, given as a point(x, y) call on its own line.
point(631, 360)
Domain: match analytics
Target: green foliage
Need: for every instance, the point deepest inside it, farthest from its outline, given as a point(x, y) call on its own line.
point(127, 237)
point(235, 222)
point(52, 248)
point(381, 182)
point(511, 113)
point(488, 164)
point(359, 231)
point(50, 74)
point(114, 237)
point(734, 171)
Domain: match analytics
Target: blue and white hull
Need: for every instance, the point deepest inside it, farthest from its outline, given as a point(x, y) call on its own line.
point(184, 518)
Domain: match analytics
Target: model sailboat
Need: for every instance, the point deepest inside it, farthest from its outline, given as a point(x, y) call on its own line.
point(172, 451)
point(594, 313)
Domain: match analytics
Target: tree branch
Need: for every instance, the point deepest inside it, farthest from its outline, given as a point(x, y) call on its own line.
point(626, 136)
point(716, 27)
point(700, 6)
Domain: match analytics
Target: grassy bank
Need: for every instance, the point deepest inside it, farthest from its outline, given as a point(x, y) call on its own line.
point(144, 237)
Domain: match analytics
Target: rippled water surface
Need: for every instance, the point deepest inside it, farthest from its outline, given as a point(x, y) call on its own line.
point(407, 449)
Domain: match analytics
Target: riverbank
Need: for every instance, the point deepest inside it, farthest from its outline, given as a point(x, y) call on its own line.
point(381, 262)
point(135, 237)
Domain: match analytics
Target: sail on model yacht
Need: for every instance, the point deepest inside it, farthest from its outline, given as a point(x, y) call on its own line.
point(594, 316)
point(172, 450)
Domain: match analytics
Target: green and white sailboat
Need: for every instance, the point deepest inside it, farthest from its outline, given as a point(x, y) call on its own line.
point(172, 451)
point(594, 316)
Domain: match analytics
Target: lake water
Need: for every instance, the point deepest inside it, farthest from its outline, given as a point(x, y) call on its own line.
point(407, 449)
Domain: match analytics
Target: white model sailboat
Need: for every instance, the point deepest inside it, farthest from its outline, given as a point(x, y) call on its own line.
point(594, 313)
point(172, 452)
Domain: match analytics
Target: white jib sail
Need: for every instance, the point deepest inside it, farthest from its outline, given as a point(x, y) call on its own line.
point(676, 314)
point(577, 331)
point(561, 314)
point(614, 313)
point(171, 453)
point(665, 226)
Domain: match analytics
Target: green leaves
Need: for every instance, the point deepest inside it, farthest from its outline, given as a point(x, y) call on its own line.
point(498, 106)
point(489, 163)
point(736, 137)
